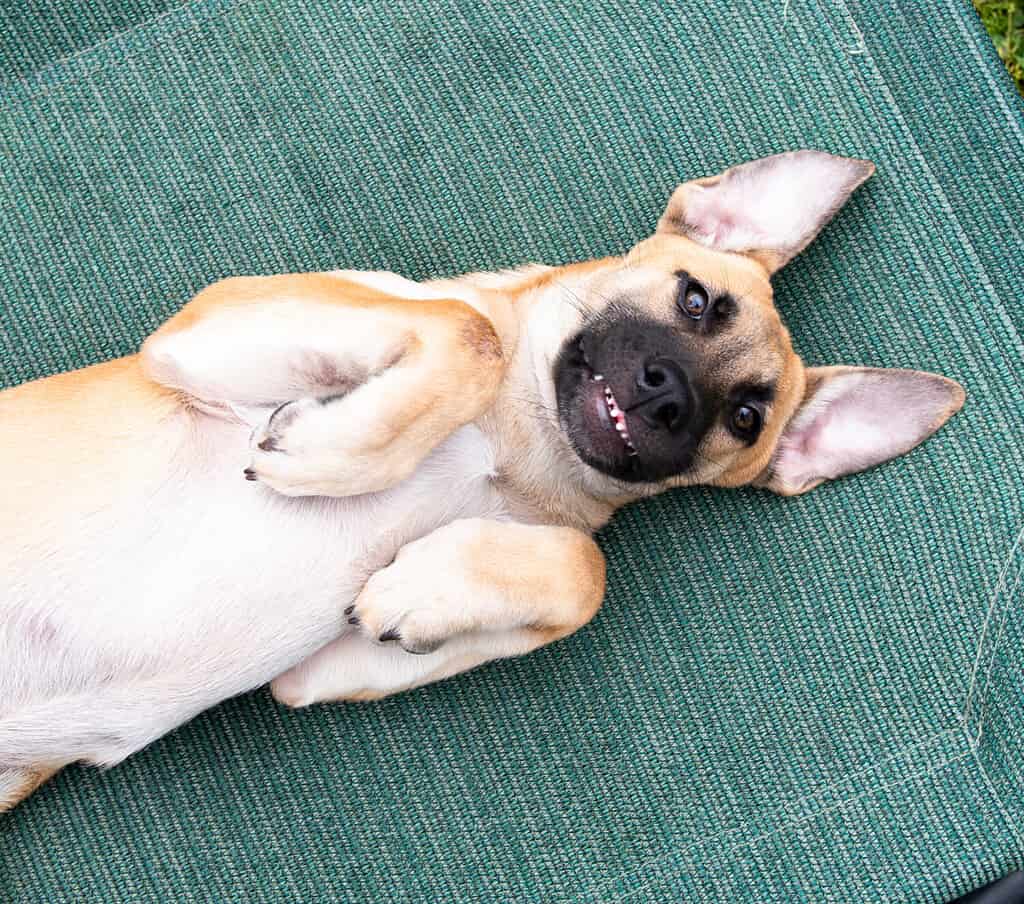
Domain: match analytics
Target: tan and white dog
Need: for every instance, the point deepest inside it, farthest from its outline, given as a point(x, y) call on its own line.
point(426, 464)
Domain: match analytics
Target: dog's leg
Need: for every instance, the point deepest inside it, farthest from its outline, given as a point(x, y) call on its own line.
point(367, 381)
point(16, 784)
point(469, 592)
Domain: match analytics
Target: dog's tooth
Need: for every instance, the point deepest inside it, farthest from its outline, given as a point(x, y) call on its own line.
point(598, 377)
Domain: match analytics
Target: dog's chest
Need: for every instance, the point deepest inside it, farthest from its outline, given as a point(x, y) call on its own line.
point(317, 552)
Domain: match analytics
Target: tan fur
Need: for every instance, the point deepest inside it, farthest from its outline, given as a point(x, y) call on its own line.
point(435, 365)
point(51, 427)
point(556, 587)
point(770, 350)
point(457, 345)
point(28, 781)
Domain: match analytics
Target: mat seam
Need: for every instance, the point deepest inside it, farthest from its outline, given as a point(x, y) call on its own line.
point(676, 853)
point(975, 705)
point(965, 242)
point(32, 85)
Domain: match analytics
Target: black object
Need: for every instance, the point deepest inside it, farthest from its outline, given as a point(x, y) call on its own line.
point(1008, 890)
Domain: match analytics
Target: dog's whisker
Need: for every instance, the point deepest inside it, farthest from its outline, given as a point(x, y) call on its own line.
point(573, 299)
point(530, 401)
point(708, 460)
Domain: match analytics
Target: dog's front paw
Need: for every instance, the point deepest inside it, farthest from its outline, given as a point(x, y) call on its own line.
point(321, 447)
point(308, 448)
point(272, 436)
point(418, 602)
point(387, 612)
point(283, 456)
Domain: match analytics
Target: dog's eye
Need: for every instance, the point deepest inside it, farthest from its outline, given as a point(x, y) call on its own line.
point(693, 301)
point(745, 422)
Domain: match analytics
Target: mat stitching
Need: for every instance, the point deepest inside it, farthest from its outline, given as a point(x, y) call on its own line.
point(976, 711)
point(930, 769)
point(1010, 823)
point(968, 247)
point(28, 85)
point(859, 46)
point(998, 87)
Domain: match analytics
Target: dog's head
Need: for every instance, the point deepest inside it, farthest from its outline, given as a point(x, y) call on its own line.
point(678, 370)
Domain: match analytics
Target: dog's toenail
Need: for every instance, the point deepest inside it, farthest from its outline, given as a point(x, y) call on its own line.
point(250, 474)
point(389, 635)
point(350, 609)
point(353, 620)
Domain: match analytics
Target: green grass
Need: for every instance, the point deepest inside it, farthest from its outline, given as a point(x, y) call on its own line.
point(1004, 21)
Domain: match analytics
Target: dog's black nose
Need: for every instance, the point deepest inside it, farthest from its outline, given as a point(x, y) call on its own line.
point(663, 394)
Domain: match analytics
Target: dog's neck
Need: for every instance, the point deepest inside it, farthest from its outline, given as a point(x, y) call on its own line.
point(537, 469)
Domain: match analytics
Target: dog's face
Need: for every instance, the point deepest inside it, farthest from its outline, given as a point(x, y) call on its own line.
point(678, 370)
point(683, 370)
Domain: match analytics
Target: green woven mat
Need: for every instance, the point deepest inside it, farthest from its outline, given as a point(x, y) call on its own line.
point(809, 700)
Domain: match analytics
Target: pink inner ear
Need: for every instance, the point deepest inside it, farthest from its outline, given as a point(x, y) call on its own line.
point(715, 223)
point(859, 418)
point(776, 204)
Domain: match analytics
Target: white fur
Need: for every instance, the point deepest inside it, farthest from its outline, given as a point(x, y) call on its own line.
point(156, 598)
point(197, 589)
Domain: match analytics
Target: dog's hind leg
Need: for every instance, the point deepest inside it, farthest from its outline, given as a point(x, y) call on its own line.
point(368, 381)
point(17, 783)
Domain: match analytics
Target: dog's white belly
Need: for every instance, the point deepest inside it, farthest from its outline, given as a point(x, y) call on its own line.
point(207, 585)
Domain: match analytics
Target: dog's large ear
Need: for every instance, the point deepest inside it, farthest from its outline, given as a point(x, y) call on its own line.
point(769, 208)
point(853, 418)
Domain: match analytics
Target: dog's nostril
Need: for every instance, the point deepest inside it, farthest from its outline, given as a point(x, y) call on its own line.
point(667, 414)
point(653, 377)
point(662, 399)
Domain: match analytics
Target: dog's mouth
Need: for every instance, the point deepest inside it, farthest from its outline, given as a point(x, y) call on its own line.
point(601, 410)
point(595, 421)
point(611, 414)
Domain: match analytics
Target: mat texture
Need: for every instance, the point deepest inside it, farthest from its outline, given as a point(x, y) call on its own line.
point(811, 700)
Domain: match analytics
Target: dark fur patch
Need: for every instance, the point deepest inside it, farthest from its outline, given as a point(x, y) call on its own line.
point(324, 371)
point(480, 336)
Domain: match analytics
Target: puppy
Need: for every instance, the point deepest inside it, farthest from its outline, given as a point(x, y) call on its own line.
point(425, 466)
